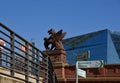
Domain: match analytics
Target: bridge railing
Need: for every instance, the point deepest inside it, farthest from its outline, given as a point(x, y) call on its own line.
point(22, 57)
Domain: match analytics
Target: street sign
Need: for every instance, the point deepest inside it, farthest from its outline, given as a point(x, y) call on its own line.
point(90, 64)
point(81, 73)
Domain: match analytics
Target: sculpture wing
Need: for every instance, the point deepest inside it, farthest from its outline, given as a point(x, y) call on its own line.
point(60, 35)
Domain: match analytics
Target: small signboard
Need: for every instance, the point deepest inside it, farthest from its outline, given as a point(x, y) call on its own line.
point(83, 56)
point(90, 64)
point(81, 73)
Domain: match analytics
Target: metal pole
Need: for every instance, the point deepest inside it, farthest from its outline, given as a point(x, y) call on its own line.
point(0, 57)
point(76, 72)
point(12, 41)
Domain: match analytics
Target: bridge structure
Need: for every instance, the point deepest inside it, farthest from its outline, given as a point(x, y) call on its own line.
point(21, 60)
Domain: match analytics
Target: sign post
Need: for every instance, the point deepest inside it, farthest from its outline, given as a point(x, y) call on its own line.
point(86, 64)
point(76, 72)
point(79, 72)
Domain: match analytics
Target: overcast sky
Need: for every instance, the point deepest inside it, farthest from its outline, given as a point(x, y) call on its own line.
point(31, 19)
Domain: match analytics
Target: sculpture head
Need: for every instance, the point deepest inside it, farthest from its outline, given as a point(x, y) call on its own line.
point(51, 31)
point(45, 38)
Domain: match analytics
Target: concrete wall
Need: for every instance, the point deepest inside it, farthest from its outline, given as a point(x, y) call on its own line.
point(4, 79)
point(7, 79)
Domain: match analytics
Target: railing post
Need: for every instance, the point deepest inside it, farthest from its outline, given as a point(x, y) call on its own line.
point(53, 77)
point(38, 67)
point(0, 57)
point(47, 69)
point(12, 54)
point(27, 64)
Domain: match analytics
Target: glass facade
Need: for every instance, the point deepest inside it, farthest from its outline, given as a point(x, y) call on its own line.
point(116, 40)
point(102, 45)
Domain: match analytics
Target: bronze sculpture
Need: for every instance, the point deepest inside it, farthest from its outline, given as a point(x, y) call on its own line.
point(54, 42)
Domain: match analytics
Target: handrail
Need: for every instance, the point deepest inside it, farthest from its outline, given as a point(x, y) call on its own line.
point(30, 61)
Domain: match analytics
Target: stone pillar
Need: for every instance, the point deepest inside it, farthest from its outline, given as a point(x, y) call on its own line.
point(58, 58)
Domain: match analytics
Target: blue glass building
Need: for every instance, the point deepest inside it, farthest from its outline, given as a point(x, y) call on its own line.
point(101, 45)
